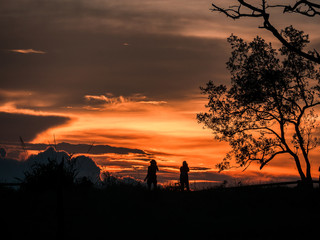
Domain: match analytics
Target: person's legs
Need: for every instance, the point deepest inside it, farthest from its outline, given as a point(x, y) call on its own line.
point(155, 184)
point(187, 185)
point(182, 185)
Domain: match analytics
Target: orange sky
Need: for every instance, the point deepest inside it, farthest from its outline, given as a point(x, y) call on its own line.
point(168, 131)
point(126, 74)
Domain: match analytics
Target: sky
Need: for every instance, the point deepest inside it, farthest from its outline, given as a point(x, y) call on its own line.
point(124, 74)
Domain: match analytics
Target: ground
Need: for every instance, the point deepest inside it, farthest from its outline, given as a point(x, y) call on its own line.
point(129, 212)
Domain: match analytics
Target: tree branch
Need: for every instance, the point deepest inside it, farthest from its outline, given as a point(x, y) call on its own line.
point(235, 12)
point(272, 157)
point(312, 8)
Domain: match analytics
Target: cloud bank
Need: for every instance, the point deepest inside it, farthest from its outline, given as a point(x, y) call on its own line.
point(27, 126)
point(11, 169)
point(160, 60)
point(85, 148)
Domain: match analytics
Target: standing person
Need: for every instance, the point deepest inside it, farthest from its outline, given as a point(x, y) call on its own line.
point(152, 175)
point(319, 177)
point(184, 178)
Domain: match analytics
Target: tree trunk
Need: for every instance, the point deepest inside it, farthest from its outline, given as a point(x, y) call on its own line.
point(308, 169)
point(304, 151)
point(298, 164)
point(306, 180)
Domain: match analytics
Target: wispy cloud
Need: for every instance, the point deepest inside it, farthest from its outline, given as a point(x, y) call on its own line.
point(99, 102)
point(27, 51)
point(26, 100)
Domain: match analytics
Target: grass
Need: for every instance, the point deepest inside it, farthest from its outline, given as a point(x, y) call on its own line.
point(129, 211)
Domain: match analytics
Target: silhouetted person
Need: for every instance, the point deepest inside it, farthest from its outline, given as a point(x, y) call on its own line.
point(184, 178)
point(319, 177)
point(151, 177)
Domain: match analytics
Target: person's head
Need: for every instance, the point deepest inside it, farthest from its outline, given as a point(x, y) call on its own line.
point(184, 163)
point(153, 162)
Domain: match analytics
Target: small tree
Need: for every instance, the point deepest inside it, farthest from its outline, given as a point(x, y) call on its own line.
point(269, 109)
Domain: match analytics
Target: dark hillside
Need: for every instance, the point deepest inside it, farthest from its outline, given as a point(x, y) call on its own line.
point(132, 212)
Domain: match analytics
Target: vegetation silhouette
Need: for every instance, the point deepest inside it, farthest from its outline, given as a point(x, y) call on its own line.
point(44, 176)
point(55, 177)
point(126, 211)
point(269, 108)
point(262, 10)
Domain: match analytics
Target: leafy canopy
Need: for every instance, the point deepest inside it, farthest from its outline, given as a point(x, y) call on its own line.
point(269, 107)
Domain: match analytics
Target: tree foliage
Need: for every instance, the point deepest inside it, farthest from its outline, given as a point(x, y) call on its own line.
point(269, 108)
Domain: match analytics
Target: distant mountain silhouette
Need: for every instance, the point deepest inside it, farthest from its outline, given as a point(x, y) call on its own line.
point(84, 148)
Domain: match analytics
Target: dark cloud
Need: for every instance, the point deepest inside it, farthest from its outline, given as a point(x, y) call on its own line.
point(158, 66)
point(86, 148)
point(199, 169)
point(10, 169)
point(85, 52)
point(27, 126)
point(120, 47)
point(154, 16)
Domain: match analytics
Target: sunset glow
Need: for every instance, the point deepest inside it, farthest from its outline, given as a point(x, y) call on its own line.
point(125, 74)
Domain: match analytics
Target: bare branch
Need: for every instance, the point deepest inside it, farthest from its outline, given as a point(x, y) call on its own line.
point(236, 12)
point(304, 7)
point(272, 157)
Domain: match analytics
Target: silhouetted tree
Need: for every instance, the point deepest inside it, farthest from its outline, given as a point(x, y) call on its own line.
point(269, 108)
point(261, 9)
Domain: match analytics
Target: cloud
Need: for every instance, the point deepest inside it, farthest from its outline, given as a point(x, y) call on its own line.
point(87, 56)
point(136, 169)
point(18, 100)
point(85, 148)
point(27, 126)
point(10, 169)
point(86, 167)
point(27, 51)
point(109, 98)
point(103, 102)
point(158, 67)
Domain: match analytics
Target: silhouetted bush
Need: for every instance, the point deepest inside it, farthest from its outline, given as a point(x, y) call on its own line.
point(121, 183)
point(50, 175)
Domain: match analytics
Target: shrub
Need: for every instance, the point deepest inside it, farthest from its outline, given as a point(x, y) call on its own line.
point(50, 175)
